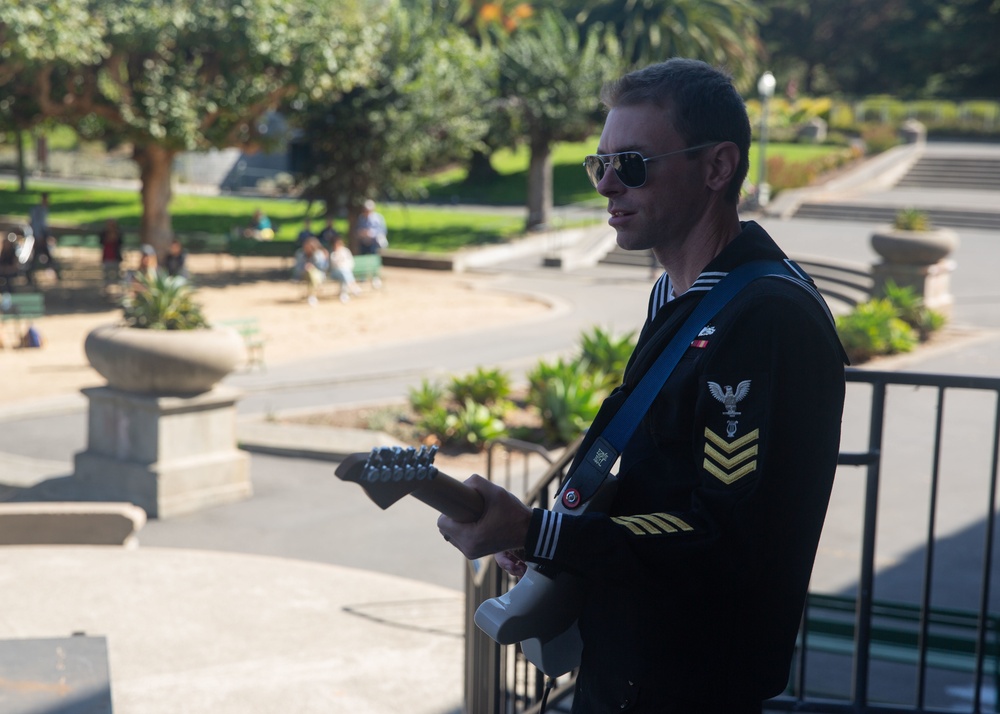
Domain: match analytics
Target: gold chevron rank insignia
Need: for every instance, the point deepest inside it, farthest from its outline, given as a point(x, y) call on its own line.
point(652, 524)
point(729, 461)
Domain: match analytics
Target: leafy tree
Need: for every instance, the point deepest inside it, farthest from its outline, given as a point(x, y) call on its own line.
point(550, 79)
point(721, 32)
point(422, 107)
point(33, 34)
point(180, 75)
point(900, 47)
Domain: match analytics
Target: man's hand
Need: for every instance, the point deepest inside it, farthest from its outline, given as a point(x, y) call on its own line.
point(513, 562)
point(503, 525)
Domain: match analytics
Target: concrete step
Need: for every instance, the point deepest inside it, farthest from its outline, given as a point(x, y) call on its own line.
point(980, 173)
point(948, 218)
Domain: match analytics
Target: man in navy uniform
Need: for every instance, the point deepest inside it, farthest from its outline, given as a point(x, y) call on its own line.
point(697, 574)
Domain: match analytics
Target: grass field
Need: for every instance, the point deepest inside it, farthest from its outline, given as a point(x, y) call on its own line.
point(439, 225)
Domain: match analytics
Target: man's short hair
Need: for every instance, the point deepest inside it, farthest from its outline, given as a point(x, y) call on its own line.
point(701, 102)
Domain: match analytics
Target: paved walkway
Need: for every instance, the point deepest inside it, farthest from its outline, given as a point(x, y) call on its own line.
point(307, 597)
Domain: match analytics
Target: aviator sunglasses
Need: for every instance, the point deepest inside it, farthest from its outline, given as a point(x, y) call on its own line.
point(630, 166)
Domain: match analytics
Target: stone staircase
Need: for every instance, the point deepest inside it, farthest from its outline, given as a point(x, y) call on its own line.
point(933, 171)
point(869, 213)
point(978, 173)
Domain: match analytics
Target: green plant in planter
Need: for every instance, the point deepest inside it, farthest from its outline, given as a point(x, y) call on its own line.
point(912, 219)
point(911, 309)
point(874, 328)
point(163, 302)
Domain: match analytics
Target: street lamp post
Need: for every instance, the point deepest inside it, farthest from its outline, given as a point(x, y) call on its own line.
point(765, 87)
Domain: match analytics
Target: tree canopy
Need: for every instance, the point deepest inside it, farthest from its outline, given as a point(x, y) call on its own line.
point(422, 106)
point(175, 75)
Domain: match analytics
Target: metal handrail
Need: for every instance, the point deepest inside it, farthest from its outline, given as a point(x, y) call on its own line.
point(515, 687)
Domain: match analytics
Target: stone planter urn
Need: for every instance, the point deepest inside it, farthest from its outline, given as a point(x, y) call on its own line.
point(917, 259)
point(914, 247)
point(163, 361)
point(162, 433)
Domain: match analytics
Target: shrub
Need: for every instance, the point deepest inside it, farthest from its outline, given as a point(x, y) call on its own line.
point(879, 137)
point(566, 393)
point(912, 219)
point(475, 425)
point(163, 302)
point(874, 328)
point(568, 400)
point(484, 386)
point(910, 308)
point(602, 352)
point(426, 397)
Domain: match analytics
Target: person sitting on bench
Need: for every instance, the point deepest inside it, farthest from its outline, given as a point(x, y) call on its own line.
point(342, 269)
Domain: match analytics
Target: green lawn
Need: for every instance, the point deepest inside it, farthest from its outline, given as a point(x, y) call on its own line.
point(419, 227)
point(570, 183)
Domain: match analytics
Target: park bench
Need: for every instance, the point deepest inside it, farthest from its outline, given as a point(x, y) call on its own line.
point(242, 247)
point(368, 267)
point(253, 338)
point(20, 309)
point(952, 638)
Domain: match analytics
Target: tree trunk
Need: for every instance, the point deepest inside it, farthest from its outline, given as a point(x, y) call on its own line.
point(480, 169)
point(351, 239)
point(539, 186)
point(155, 170)
point(22, 171)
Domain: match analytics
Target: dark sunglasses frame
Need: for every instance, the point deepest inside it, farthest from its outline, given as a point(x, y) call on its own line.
point(626, 163)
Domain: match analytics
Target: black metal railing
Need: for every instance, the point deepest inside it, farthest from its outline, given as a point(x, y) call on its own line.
point(891, 648)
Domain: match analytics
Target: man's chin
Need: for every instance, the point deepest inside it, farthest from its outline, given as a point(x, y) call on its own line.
point(627, 241)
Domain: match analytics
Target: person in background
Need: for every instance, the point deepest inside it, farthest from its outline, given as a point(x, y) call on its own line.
point(329, 234)
point(175, 264)
point(305, 233)
point(41, 257)
point(260, 227)
point(147, 270)
point(695, 576)
point(111, 253)
point(342, 269)
point(371, 230)
point(311, 265)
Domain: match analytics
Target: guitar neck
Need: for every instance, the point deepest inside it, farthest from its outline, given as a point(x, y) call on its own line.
point(450, 497)
point(389, 474)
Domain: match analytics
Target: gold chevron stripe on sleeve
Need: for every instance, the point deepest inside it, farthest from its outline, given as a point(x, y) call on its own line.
point(729, 477)
point(730, 447)
point(734, 461)
point(652, 524)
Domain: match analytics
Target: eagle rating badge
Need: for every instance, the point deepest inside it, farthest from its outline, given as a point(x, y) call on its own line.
point(730, 448)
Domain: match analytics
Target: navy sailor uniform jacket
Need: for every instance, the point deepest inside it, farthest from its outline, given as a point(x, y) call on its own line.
point(697, 576)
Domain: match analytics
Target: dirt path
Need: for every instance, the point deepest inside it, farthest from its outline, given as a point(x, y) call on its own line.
point(411, 303)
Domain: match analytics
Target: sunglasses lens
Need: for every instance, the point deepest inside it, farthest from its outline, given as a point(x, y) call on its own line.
point(594, 166)
point(629, 166)
point(631, 169)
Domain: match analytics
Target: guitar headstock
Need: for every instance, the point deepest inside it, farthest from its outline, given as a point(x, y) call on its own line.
point(389, 473)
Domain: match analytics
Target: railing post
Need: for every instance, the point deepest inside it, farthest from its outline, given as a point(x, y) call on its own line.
point(484, 667)
point(866, 578)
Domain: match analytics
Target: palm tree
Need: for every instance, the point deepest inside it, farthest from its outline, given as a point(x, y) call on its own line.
point(720, 32)
point(551, 74)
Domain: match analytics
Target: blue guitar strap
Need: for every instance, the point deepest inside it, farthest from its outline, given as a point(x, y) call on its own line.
point(591, 472)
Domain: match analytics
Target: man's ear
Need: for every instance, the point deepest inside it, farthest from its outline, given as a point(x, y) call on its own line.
point(722, 162)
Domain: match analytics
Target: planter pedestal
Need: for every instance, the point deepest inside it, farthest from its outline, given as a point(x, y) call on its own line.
point(168, 455)
point(918, 260)
point(930, 282)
